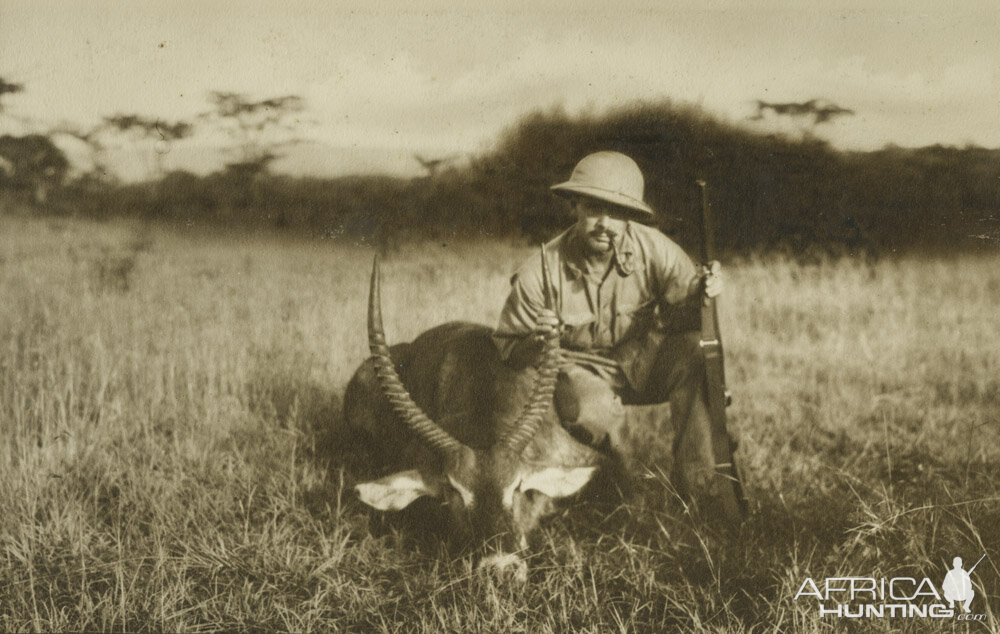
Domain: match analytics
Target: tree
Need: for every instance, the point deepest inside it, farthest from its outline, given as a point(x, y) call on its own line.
point(258, 127)
point(820, 110)
point(8, 88)
point(31, 163)
point(433, 165)
point(146, 128)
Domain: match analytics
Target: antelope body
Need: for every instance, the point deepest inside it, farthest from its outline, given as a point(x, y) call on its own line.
point(456, 422)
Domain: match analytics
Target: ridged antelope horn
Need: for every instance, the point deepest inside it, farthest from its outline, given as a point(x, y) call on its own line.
point(392, 387)
point(545, 384)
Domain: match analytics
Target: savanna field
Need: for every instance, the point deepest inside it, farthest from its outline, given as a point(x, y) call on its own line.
point(170, 456)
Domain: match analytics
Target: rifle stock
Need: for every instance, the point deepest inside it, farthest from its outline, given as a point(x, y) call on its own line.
point(716, 395)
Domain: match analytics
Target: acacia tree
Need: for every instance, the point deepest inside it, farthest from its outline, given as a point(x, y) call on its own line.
point(258, 127)
point(162, 131)
point(8, 88)
point(30, 163)
point(820, 110)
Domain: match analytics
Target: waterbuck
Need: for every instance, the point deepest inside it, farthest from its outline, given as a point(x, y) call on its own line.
point(463, 426)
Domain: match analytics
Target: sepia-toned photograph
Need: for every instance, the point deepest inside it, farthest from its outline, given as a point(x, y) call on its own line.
point(383, 316)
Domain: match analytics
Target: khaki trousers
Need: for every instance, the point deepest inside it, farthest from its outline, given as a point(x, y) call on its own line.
point(660, 367)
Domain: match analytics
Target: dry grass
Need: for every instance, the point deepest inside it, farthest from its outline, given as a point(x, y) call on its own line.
point(167, 400)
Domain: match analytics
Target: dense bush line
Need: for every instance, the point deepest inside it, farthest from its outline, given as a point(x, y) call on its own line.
point(769, 192)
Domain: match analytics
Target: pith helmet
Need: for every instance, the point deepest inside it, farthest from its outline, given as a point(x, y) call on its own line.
point(608, 176)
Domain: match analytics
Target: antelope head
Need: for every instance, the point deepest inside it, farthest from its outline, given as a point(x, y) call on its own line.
point(501, 492)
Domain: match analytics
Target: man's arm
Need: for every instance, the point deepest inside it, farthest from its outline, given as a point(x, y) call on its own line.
point(679, 279)
point(525, 323)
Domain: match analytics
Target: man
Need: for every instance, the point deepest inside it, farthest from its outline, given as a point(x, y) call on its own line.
point(618, 285)
point(957, 586)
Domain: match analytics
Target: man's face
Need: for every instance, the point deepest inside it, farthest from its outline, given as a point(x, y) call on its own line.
point(597, 223)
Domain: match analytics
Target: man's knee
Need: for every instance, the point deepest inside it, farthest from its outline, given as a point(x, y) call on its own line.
point(684, 351)
point(589, 409)
point(679, 366)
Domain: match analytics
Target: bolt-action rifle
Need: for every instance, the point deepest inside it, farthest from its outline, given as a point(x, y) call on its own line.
point(717, 397)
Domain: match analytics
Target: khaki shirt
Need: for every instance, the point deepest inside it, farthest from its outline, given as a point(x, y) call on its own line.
point(649, 275)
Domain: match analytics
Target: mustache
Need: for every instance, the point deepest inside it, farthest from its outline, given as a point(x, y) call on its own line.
point(597, 233)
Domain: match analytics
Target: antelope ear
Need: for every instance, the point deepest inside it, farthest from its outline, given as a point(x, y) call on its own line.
point(558, 482)
point(396, 491)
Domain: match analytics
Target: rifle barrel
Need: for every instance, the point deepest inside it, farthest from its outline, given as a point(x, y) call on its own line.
point(977, 563)
point(707, 226)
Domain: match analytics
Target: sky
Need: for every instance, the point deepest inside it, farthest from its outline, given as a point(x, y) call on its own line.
point(441, 77)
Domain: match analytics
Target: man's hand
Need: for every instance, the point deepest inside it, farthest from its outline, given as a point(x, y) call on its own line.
point(546, 325)
point(527, 349)
point(713, 279)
